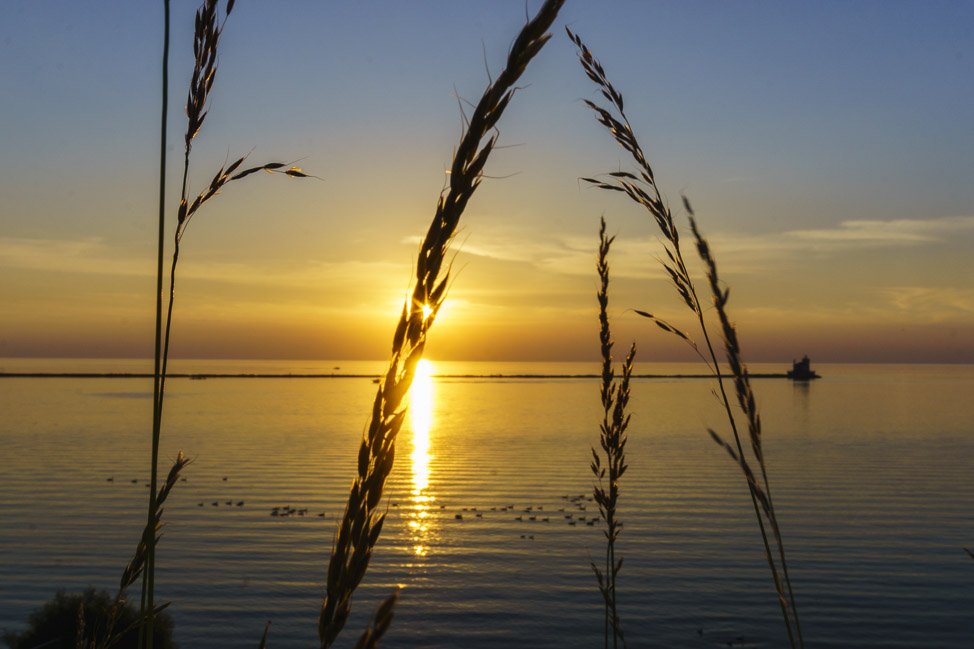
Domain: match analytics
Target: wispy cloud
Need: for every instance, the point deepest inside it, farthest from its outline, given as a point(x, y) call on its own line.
point(757, 253)
point(87, 255)
point(636, 257)
point(521, 246)
point(95, 256)
point(562, 254)
point(886, 233)
point(556, 255)
point(934, 303)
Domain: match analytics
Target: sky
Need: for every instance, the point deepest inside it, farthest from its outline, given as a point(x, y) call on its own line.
point(828, 150)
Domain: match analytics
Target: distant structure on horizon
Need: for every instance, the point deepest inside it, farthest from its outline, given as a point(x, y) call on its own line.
point(802, 370)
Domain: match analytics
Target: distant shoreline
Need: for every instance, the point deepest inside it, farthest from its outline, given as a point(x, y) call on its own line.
point(200, 376)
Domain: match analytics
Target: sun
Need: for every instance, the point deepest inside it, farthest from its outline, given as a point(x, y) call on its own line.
point(427, 311)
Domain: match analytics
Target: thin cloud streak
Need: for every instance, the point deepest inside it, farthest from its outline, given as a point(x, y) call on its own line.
point(93, 256)
point(636, 257)
point(883, 233)
point(568, 255)
point(932, 303)
point(562, 254)
point(87, 255)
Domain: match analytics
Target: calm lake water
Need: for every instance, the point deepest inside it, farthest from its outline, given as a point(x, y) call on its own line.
point(871, 469)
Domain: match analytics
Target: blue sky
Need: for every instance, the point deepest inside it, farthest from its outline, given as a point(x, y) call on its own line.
point(827, 148)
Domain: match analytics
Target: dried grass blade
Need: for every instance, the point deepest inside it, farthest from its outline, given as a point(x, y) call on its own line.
point(615, 420)
point(361, 523)
point(645, 192)
point(267, 627)
point(380, 623)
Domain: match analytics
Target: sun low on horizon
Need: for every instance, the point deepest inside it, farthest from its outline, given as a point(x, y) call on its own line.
point(829, 167)
point(433, 324)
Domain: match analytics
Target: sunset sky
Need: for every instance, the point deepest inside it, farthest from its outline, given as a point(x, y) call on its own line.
point(828, 149)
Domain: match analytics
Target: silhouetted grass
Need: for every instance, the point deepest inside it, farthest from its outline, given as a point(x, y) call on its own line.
point(640, 186)
point(379, 624)
point(206, 38)
point(615, 420)
point(98, 627)
point(137, 565)
point(362, 522)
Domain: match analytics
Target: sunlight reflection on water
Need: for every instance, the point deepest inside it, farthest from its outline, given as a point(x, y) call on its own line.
point(421, 417)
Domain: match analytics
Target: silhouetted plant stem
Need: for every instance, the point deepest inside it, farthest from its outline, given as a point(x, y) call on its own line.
point(379, 624)
point(605, 393)
point(615, 421)
point(139, 562)
point(641, 188)
point(206, 37)
point(748, 405)
point(698, 311)
point(146, 603)
point(263, 638)
point(360, 527)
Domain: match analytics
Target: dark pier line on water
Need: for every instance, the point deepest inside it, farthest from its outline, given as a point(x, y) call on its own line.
point(118, 375)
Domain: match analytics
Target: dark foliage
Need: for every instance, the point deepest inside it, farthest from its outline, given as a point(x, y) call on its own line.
point(55, 624)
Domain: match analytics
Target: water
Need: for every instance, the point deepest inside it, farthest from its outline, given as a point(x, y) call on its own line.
point(871, 470)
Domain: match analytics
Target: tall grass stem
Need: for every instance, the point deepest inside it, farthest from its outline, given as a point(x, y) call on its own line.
point(206, 36)
point(640, 187)
point(360, 527)
point(146, 604)
point(614, 395)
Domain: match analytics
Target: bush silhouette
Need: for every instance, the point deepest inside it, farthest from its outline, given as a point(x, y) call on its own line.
point(55, 624)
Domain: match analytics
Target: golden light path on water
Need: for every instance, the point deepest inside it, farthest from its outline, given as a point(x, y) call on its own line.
point(421, 417)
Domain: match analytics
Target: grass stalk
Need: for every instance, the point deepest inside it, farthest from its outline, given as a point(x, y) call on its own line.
point(761, 492)
point(263, 638)
point(380, 623)
point(615, 421)
point(134, 570)
point(146, 601)
point(362, 521)
point(641, 188)
point(206, 37)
